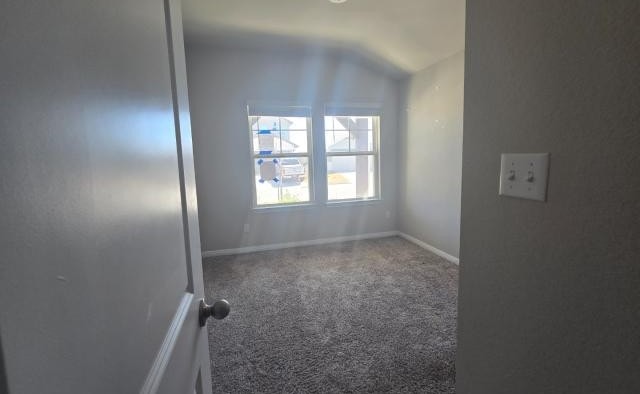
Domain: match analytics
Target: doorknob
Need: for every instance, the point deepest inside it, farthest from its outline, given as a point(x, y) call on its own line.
point(219, 310)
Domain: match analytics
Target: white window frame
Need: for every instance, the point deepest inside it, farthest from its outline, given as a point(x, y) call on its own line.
point(281, 111)
point(357, 110)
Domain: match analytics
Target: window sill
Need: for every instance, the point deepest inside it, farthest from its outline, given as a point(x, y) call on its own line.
point(316, 205)
point(347, 203)
point(287, 207)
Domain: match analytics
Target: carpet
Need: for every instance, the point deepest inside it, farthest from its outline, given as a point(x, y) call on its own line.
point(372, 316)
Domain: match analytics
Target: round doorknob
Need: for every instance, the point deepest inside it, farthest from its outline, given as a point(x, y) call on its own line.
point(219, 310)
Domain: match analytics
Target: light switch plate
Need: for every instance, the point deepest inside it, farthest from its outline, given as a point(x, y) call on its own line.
point(524, 175)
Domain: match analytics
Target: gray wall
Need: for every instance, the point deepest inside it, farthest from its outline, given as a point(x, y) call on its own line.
point(430, 159)
point(221, 81)
point(550, 292)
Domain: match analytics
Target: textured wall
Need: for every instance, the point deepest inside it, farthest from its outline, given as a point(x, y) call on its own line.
point(550, 292)
point(430, 159)
point(221, 81)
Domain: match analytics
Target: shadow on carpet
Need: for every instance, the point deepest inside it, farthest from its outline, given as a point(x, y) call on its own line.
point(373, 316)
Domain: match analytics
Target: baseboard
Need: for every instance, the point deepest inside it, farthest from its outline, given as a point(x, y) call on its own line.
point(322, 241)
point(286, 245)
point(430, 248)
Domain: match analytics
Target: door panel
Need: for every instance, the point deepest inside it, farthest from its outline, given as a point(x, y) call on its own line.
point(189, 364)
point(97, 286)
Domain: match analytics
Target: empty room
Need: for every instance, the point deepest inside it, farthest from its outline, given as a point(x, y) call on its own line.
point(328, 150)
point(320, 196)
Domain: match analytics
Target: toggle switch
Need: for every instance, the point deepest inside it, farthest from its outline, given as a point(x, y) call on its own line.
point(524, 175)
point(530, 177)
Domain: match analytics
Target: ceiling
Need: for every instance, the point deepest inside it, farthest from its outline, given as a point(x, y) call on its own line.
point(407, 34)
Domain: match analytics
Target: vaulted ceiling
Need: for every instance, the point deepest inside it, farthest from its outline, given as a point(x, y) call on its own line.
point(407, 34)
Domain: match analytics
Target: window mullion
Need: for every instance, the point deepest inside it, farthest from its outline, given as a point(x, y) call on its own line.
point(280, 155)
point(358, 153)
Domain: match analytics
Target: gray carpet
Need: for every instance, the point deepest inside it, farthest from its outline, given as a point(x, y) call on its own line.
point(374, 316)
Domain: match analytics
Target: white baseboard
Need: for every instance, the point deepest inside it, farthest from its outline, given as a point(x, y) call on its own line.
point(322, 241)
point(286, 245)
point(430, 248)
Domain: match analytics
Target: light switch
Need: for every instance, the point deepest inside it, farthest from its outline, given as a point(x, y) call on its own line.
point(524, 175)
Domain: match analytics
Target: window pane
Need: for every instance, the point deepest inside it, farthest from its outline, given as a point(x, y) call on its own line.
point(337, 141)
point(282, 180)
point(362, 122)
point(336, 122)
point(351, 177)
point(362, 141)
point(273, 134)
point(270, 123)
point(349, 134)
point(265, 131)
point(294, 141)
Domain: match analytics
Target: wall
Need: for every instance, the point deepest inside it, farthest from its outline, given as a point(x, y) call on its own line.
point(430, 159)
point(221, 81)
point(549, 292)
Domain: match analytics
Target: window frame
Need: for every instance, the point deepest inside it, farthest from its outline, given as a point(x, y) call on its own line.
point(281, 111)
point(376, 120)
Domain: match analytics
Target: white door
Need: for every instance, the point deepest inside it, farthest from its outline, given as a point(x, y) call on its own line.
point(100, 271)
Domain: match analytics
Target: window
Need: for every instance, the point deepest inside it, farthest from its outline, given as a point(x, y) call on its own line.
point(281, 155)
point(352, 156)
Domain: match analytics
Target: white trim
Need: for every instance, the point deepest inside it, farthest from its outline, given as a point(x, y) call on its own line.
point(347, 202)
point(286, 245)
point(430, 248)
point(351, 153)
point(156, 373)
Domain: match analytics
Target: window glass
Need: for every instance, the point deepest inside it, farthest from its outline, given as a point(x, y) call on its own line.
point(281, 157)
point(352, 157)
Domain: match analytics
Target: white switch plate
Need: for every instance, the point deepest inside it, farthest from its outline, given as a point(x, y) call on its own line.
point(524, 175)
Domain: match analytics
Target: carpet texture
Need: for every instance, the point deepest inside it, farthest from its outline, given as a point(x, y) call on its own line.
point(373, 316)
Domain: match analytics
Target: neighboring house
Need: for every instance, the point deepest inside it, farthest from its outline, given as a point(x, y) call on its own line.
point(279, 144)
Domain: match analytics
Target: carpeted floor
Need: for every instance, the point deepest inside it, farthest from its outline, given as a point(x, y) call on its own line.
point(374, 316)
